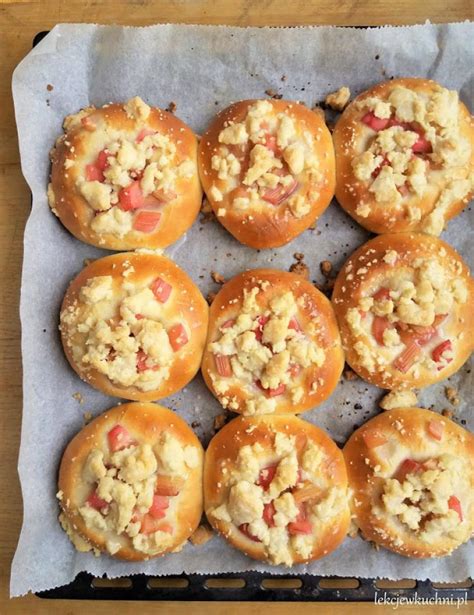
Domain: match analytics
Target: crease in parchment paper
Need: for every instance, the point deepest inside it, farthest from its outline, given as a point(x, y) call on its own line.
point(202, 69)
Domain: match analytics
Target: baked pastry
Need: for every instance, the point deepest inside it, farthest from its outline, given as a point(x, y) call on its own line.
point(276, 488)
point(130, 483)
point(267, 168)
point(124, 176)
point(404, 157)
point(404, 306)
point(412, 476)
point(134, 326)
point(273, 344)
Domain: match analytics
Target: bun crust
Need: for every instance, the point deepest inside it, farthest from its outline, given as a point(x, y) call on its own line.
point(398, 435)
point(261, 224)
point(130, 273)
point(146, 423)
point(447, 190)
point(432, 281)
point(306, 387)
point(92, 130)
point(221, 461)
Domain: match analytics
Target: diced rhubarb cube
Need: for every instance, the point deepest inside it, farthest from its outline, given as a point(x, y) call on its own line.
point(455, 504)
point(144, 132)
point(178, 336)
point(131, 197)
point(379, 324)
point(383, 294)
point(228, 323)
point(164, 196)
point(301, 525)
point(279, 194)
point(119, 438)
point(437, 353)
point(417, 333)
point(161, 290)
point(223, 366)
point(409, 466)
point(94, 174)
point(165, 527)
point(271, 142)
point(244, 528)
point(422, 146)
point(168, 486)
point(102, 161)
point(436, 429)
point(376, 171)
point(376, 123)
point(95, 501)
point(139, 316)
point(262, 321)
point(407, 357)
point(150, 524)
point(142, 365)
point(279, 390)
point(373, 439)
point(294, 324)
point(159, 505)
point(268, 512)
point(266, 476)
point(146, 221)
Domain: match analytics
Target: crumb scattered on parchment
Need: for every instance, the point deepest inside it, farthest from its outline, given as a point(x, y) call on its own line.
point(88, 261)
point(195, 424)
point(210, 297)
point(217, 277)
point(349, 374)
point(283, 78)
point(452, 395)
point(313, 227)
point(219, 421)
point(202, 535)
point(326, 268)
point(78, 397)
point(50, 87)
point(447, 413)
point(398, 399)
point(338, 100)
point(87, 416)
point(273, 94)
point(299, 267)
point(171, 108)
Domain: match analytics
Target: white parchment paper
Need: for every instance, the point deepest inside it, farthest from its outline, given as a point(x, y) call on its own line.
point(202, 69)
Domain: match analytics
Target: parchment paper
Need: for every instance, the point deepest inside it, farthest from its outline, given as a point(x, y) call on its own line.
point(202, 69)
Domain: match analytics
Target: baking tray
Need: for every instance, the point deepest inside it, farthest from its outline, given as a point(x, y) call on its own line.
point(257, 586)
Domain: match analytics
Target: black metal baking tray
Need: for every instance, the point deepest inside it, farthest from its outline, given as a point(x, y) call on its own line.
point(256, 586)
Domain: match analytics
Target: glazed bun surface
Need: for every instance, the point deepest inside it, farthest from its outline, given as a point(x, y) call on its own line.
point(125, 176)
point(267, 168)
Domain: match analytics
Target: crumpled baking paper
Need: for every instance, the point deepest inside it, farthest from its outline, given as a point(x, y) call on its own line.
point(202, 69)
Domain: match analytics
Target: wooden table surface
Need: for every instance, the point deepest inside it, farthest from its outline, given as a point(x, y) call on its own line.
point(19, 22)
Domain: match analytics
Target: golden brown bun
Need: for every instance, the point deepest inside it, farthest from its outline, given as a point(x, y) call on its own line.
point(222, 454)
point(351, 137)
point(408, 436)
point(364, 273)
point(317, 382)
point(185, 304)
point(80, 145)
point(274, 225)
point(146, 423)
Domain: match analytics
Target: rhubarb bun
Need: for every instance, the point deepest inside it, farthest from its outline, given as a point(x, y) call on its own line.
point(411, 472)
point(404, 157)
point(404, 305)
point(130, 483)
point(134, 325)
point(267, 168)
point(125, 176)
point(276, 488)
point(273, 344)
